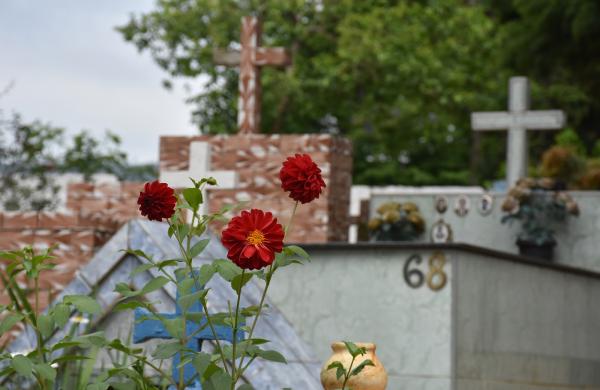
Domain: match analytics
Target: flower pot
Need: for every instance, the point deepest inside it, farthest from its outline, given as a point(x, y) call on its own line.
point(544, 251)
point(370, 378)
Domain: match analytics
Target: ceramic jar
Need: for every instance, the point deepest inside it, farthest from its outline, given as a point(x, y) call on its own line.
point(370, 378)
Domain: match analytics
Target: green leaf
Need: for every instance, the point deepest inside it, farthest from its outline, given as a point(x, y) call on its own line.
point(188, 300)
point(353, 349)
point(70, 358)
point(95, 339)
point(125, 290)
point(227, 269)
point(154, 284)
point(129, 305)
point(45, 325)
point(199, 247)
point(250, 311)
point(65, 344)
point(193, 196)
point(240, 281)
point(340, 370)
point(174, 326)
point(185, 285)
point(245, 386)
point(272, 356)
point(83, 303)
point(206, 273)
point(201, 361)
point(218, 381)
point(22, 365)
point(167, 350)
point(168, 263)
point(9, 321)
point(46, 371)
point(60, 314)
point(298, 251)
point(283, 260)
point(361, 366)
point(138, 253)
point(142, 268)
point(257, 341)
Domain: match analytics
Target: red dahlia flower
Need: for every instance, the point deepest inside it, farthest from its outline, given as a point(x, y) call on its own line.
point(252, 239)
point(157, 201)
point(301, 177)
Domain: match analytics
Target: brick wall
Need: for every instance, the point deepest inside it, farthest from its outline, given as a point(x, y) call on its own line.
point(95, 213)
point(257, 159)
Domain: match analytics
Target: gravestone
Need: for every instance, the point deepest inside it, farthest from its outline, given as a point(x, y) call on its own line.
point(577, 237)
point(518, 119)
point(449, 316)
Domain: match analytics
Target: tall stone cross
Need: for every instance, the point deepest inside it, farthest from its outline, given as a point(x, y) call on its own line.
point(518, 119)
point(250, 59)
point(199, 167)
point(147, 327)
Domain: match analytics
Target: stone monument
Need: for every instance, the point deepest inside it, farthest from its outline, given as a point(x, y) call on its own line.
point(250, 59)
point(518, 119)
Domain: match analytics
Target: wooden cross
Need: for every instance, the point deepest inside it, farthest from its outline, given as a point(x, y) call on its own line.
point(518, 119)
point(199, 167)
point(250, 59)
point(147, 328)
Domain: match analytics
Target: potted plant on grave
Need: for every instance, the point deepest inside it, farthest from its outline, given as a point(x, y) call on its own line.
point(539, 206)
point(396, 222)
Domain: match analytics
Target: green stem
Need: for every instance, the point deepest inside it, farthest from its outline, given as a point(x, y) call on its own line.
point(202, 300)
point(347, 376)
point(268, 278)
point(241, 369)
point(235, 330)
point(155, 368)
point(40, 339)
point(289, 225)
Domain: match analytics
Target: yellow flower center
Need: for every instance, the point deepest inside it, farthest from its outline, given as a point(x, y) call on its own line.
point(256, 237)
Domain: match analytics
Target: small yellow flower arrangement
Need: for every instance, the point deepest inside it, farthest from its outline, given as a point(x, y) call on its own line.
point(396, 222)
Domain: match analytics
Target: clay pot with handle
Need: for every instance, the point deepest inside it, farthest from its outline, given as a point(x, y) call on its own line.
point(370, 378)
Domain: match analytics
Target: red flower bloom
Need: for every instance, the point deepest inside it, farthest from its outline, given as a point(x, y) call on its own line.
point(252, 238)
point(301, 177)
point(157, 201)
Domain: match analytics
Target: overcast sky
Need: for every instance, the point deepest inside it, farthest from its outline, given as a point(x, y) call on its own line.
point(72, 69)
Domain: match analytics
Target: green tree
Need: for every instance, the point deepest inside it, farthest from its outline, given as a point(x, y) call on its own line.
point(33, 153)
point(398, 77)
point(556, 44)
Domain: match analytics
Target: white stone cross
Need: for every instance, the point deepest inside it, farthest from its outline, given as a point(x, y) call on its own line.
point(518, 119)
point(199, 167)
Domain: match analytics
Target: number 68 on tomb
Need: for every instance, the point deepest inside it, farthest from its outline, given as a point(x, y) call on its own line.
point(435, 276)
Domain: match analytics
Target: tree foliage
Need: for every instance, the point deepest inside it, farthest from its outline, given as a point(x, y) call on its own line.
point(399, 78)
point(32, 154)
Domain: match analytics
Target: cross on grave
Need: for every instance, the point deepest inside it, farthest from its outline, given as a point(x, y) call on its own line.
point(199, 167)
point(147, 328)
point(518, 119)
point(250, 59)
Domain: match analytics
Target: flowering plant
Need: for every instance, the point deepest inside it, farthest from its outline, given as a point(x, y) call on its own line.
point(538, 205)
point(396, 222)
point(255, 249)
point(46, 365)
